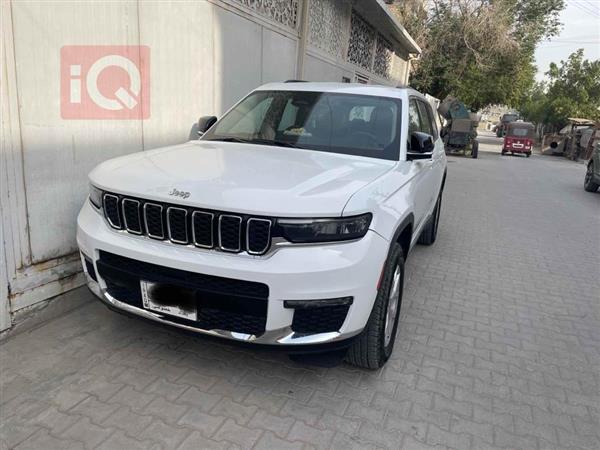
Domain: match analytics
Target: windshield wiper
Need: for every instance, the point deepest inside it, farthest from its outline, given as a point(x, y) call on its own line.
point(274, 142)
point(231, 139)
point(256, 141)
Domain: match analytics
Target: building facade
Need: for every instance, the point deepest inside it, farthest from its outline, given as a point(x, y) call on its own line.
point(201, 57)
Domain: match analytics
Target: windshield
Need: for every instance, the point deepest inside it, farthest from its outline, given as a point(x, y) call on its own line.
point(520, 132)
point(338, 123)
point(509, 117)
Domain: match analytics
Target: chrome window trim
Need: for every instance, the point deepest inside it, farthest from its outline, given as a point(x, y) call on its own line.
point(239, 248)
point(110, 222)
point(169, 225)
point(125, 217)
point(162, 225)
point(264, 250)
point(212, 238)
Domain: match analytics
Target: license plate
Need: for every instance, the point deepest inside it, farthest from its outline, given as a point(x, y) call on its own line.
point(168, 299)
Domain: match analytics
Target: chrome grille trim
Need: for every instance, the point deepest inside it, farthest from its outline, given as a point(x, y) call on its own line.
point(149, 223)
point(173, 208)
point(212, 238)
point(253, 219)
point(162, 225)
point(114, 225)
point(130, 200)
point(239, 247)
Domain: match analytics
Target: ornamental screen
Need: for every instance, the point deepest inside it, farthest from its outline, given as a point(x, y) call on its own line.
point(328, 25)
point(284, 12)
point(383, 57)
point(362, 38)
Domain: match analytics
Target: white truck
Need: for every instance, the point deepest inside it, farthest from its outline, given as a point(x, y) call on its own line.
point(287, 223)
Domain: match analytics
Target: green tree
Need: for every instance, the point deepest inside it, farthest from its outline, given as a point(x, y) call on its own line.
point(480, 51)
point(572, 90)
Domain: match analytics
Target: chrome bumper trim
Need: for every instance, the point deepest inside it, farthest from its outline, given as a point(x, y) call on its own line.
point(280, 336)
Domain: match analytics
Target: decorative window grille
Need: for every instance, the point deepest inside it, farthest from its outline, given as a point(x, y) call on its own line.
point(383, 57)
point(327, 22)
point(284, 12)
point(362, 38)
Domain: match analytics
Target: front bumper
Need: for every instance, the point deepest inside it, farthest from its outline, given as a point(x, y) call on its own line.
point(517, 149)
point(349, 269)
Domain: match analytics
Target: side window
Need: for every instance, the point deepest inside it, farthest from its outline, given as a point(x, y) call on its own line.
point(414, 122)
point(426, 125)
point(433, 120)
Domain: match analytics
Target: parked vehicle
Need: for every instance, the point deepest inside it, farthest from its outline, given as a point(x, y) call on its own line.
point(588, 140)
point(460, 130)
point(519, 138)
point(567, 141)
point(592, 175)
point(505, 120)
point(287, 223)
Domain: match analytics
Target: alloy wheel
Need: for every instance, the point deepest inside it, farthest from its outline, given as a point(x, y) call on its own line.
point(392, 307)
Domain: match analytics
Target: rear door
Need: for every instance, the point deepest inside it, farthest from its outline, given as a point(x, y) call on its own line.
point(435, 169)
point(420, 167)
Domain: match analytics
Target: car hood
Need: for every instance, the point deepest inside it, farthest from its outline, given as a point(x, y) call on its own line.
point(243, 178)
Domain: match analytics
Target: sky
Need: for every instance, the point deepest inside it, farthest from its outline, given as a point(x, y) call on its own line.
point(581, 29)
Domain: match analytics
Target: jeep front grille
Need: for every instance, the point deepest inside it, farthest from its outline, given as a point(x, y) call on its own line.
point(188, 226)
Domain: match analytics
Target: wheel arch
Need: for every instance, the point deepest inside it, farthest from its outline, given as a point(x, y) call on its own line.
point(443, 180)
point(403, 234)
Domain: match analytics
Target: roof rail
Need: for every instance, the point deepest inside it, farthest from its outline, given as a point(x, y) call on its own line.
point(295, 81)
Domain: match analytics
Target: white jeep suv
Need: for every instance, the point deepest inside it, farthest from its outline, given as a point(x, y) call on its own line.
point(287, 223)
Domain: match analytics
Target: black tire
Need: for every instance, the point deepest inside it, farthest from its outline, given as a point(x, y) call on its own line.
point(369, 349)
point(429, 232)
point(589, 184)
point(474, 149)
point(528, 154)
point(503, 153)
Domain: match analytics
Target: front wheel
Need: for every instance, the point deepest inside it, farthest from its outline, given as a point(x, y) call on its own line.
point(589, 184)
point(373, 347)
point(474, 149)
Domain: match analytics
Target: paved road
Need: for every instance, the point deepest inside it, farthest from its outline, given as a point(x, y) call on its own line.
point(499, 347)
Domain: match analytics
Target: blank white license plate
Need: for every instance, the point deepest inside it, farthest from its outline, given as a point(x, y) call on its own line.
point(167, 299)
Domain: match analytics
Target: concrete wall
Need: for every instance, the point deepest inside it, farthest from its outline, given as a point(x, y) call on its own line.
point(204, 56)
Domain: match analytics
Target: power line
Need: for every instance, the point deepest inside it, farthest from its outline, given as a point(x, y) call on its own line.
point(560, 41)
point(596, 5)
point(586, 8)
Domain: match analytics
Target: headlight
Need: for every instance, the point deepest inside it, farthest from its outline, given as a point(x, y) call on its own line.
point(96, 196)
point(324, 230)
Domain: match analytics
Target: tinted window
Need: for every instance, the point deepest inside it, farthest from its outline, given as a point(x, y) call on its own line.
point(426, 126)
point(414, 121)
point(338, 123)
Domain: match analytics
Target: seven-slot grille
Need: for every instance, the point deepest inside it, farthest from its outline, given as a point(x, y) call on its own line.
point(181, 225)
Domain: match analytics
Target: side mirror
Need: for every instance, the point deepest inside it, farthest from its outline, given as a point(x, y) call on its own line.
point(421, 146)
point(204, 123)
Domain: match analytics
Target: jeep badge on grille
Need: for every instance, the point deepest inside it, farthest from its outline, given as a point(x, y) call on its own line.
point(178, 193)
